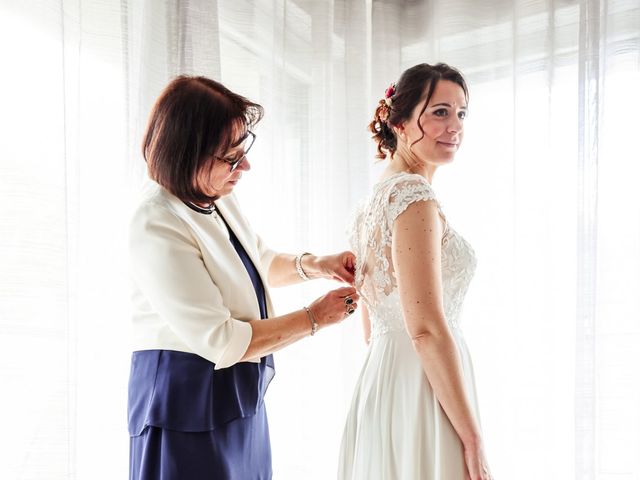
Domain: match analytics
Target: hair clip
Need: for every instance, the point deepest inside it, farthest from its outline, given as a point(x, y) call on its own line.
point(389, 93)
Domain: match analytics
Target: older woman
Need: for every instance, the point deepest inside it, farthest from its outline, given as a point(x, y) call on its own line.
point(202, 317)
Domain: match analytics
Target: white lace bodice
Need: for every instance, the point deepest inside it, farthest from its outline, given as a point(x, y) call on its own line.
point(370, 238)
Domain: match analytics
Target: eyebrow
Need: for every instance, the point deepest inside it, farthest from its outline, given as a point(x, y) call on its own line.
point(446, 105)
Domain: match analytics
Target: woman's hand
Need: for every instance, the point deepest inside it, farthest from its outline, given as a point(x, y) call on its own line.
point(477, 466)
point(334, 306)
point(340, 266)
point(271, 334)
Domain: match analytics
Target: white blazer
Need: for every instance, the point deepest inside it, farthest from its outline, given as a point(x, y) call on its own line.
point(191, 292)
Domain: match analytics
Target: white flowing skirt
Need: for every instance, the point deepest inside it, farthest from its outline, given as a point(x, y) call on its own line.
point(396, 428)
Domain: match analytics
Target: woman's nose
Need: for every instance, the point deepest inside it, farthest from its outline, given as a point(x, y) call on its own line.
point(244, 164)
point(455, 125)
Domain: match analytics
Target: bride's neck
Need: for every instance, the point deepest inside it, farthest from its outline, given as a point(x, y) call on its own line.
point(400, 163)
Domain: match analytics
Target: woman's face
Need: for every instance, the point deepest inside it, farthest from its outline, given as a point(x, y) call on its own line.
point(442, 123)
point(220, 179)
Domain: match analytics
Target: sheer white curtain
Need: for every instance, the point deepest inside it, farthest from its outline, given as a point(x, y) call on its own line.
point(544, 188)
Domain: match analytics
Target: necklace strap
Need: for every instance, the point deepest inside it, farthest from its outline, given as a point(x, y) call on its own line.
point(197, 208)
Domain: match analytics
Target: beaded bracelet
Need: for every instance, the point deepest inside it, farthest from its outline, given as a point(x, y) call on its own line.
point(299, 269)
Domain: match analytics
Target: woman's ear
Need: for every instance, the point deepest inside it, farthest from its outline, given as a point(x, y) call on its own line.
point(400, 131)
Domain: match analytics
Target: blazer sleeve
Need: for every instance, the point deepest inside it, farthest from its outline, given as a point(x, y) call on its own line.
point(266, 255)
point(168, 269)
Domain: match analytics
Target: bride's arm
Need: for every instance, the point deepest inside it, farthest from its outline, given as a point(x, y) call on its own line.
point(416, 244)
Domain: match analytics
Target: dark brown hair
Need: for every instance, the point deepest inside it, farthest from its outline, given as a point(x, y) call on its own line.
point(193, 119)
point(408, 92)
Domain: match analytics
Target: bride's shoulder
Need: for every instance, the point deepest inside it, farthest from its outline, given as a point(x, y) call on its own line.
point(405, 181)
point(401, 184)
point(404, 189)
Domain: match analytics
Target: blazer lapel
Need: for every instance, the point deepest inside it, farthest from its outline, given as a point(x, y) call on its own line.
point(230, 210)
point(213, 233)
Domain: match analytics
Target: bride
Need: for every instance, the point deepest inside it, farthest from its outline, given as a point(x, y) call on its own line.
point(414, 413)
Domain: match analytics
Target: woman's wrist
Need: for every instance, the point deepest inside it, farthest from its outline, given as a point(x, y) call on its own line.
point(302, 267)
point(308, 266)
point(312, 320)
point(471, 441)
point(312, 266)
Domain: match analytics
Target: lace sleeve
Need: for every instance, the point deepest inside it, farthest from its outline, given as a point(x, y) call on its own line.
point(405, 192)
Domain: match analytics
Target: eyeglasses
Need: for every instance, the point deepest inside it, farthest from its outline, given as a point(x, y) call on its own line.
point(247, 142)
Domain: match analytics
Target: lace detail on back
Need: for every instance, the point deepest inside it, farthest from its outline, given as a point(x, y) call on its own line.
point(370, 239)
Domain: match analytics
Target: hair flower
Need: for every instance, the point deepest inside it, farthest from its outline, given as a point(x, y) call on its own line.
point(389, 93)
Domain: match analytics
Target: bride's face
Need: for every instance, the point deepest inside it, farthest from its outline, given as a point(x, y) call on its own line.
point(442, 123)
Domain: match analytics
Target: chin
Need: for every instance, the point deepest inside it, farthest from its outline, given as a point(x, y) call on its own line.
point(226, 190)
point(446, 159)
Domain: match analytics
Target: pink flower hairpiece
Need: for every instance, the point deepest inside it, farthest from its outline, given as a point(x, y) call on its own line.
point(389, 93)
point(385, 107)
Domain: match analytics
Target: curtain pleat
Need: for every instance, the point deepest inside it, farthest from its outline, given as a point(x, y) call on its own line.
point(590, 91)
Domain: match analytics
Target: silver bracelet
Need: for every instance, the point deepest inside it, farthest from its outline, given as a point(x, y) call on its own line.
point(312, 319)
point(299, 269)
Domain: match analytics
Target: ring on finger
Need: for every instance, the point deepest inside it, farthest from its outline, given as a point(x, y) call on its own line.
point(350, 310)
point(348, 300)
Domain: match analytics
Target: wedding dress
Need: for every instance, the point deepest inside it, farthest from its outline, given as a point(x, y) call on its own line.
point(396, 429)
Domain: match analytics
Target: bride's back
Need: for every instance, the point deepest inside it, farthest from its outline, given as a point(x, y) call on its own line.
point(371, 241)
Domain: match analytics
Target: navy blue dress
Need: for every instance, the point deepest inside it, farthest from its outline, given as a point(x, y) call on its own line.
point(188, 421)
